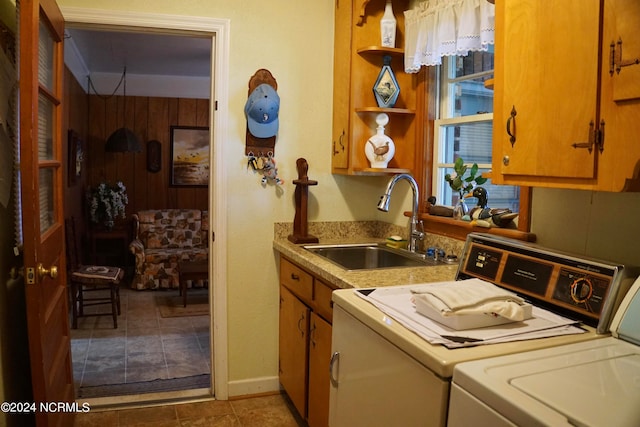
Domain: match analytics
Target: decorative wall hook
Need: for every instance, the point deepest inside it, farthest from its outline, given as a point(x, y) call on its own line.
point(262, 142)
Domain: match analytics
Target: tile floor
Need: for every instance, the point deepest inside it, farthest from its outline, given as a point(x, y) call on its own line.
point(266, 411)
point(145, 346)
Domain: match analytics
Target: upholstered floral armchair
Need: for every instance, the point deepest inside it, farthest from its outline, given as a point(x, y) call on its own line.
point(163, 238)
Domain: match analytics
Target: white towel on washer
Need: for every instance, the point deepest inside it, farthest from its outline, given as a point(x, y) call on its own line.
point(471, 296)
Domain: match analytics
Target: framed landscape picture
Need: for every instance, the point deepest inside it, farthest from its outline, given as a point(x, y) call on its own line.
point(189, 163)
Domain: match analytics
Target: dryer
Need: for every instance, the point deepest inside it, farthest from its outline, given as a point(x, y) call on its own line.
point(383, 373)
point(588, 384)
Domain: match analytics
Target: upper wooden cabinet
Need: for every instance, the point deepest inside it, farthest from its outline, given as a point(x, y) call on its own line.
point(561, 118)
point(358, 59)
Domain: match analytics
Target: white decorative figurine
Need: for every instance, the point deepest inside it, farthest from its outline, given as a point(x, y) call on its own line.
point(380, 149)
point(388, 26)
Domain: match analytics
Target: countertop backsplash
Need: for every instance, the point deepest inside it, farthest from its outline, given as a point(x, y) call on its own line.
point(378, 230)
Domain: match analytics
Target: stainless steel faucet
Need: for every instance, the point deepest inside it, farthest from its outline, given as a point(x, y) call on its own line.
point(383, 205)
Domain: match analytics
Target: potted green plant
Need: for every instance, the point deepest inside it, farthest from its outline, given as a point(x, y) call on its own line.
point(463, 184)
point(107, 203)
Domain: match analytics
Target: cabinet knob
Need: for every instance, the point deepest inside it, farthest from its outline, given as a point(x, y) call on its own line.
point(505, 160)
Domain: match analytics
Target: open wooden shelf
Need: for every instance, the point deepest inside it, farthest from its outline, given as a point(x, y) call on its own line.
point(381, 51)
point(385, 110)
point(358, 60)
point(380, 171)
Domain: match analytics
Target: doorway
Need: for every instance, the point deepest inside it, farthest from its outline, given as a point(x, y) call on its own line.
point(218, 31)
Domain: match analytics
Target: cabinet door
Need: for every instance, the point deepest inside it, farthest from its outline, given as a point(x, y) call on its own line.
point(319, 358)
point(546, 70)
point(341, 84)
point(620, 105)
point(293, 348)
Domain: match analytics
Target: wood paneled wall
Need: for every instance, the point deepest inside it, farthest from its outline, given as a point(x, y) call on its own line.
point(150, 118)
point(75, 117)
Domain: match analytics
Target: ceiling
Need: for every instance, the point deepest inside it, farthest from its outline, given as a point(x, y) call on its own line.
point(148, 57)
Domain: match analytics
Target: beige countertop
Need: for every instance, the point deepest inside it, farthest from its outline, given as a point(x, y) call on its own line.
point(437, 358)
point(341, 278)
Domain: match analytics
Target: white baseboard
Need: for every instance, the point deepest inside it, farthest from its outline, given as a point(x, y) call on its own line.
point(253, 386)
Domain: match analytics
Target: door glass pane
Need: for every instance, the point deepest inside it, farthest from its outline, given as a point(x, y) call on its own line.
point(47, 211)
point(45, 128)
point(46, 58)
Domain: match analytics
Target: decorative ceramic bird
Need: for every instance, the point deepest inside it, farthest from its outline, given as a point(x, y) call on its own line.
point(381, 150)
point(500, 217)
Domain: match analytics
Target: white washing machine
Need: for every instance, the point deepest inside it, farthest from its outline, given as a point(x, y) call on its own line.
point(592, 384)
point(384, 374)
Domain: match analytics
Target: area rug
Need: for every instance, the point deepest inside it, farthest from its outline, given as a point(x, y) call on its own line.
point(173, 306)
point(155, 386)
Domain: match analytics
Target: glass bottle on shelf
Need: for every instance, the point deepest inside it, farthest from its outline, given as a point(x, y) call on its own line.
point(380, 149)
point(388, 26)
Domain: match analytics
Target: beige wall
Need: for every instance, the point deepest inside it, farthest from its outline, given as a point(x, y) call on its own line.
point(599, 224)
point(294, 40)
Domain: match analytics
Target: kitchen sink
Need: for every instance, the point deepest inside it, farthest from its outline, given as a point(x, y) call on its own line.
point(370, 256)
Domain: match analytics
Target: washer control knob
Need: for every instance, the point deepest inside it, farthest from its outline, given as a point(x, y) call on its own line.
point(581, 290)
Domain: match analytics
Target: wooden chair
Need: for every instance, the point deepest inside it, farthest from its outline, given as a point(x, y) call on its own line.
point(90, 278)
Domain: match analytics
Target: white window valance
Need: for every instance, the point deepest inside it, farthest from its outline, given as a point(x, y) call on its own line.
point(437, 28)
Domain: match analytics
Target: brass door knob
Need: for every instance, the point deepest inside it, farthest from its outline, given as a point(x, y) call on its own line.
point(51, 272)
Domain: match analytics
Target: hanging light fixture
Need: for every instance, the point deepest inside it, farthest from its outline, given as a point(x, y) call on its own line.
point(123, 139)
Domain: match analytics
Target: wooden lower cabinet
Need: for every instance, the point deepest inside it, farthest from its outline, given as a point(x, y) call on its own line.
point(319, 358)
point(294, 348)
point(305, 342)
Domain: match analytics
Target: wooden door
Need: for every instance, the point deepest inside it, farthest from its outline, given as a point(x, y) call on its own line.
point(546, 69)
point(293, 348)
point(319, 358)
point(41, 174)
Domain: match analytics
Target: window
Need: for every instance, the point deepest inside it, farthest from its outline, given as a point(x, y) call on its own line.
point(464, 127)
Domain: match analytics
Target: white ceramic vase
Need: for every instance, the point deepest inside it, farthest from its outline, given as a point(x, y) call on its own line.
point(388, 26)
point(380, 149)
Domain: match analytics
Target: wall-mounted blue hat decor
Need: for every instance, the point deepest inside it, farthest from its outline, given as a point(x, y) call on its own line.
point(261, 111)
